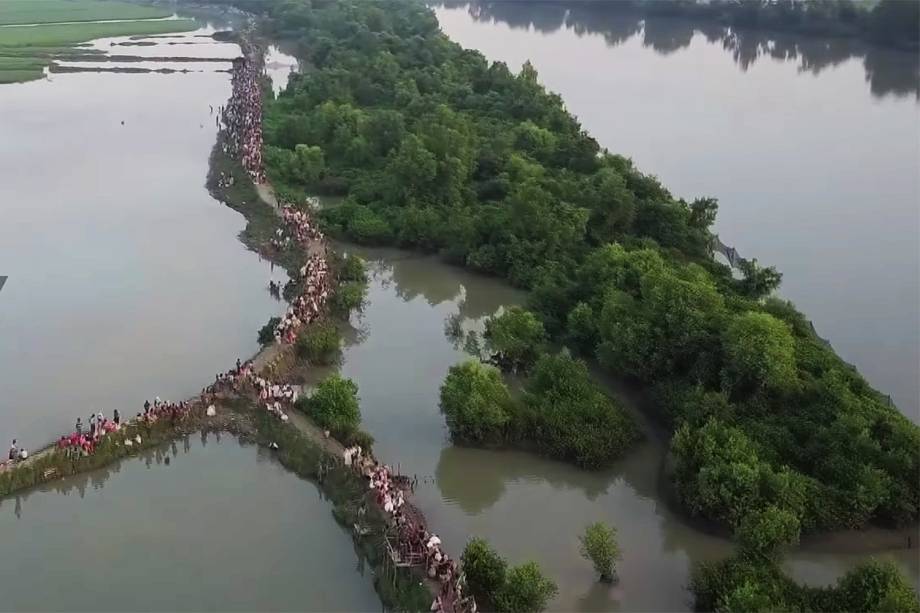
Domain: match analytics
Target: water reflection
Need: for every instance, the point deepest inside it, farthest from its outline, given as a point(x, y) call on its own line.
point(528, 506)
point(158, 537)
point(494, 469)
point(83, 483)
point(103, 299)
point(887, 71)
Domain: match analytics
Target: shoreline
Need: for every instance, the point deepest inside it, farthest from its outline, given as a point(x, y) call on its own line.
point(302, 448)
point(269, 355)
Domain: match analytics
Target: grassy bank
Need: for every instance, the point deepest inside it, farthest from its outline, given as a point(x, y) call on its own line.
point(399, 589)
point(14, 12)
point(26, 50)
point(51, 463)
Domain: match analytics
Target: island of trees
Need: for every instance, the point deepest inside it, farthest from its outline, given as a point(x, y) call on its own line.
point(436, 149)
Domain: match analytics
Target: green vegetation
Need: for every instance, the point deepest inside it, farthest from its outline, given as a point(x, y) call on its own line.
point(520, 589)
point(334, 406)
point(516, 338)
point(562, 413)
point(746, 583)
point(26, 50)
point(599, 546)
point(570, 418)
point(59, 463)
point(352, 268)
point(350, 292)
point(526, 589)
point(484, 570)
point(476, 404)
point(399, 588)
point(319, 343)
point(267, 332)
point(65, 34)
point(52, 11)
point(437, 149)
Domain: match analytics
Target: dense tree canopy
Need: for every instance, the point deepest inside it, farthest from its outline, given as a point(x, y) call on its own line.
point(476, 403)
point(434, 147)
point(516, 337)
point(334, 406)
point(570, 417)
point(484, 570)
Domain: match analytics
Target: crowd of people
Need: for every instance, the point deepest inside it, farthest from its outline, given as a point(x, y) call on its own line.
point(314, 276)
point(276, 398)
point(414, 543)
point(242, 117)
point(243, 139)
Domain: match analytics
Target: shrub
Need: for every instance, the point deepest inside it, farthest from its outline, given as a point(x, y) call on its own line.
point(334, 405)
point(348, 297)
point(526, 589)
point(568, 417)
point(763, 531)
point(760, 352)
point(367, 227)
point(746, 583)
point(484, 570)
point(517, 337)
point(599, 546)
point(476, 403)
point(267, 332)
point(359, 437)
point(352, 268)
point(876, 586)
point(319, 343)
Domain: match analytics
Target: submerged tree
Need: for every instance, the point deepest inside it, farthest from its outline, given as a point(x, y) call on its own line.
point(599, 546)
point(517, 337)
point(319, 342)
point(484, 570)
point(526, 590)
point(334, 405)
point(476, 403)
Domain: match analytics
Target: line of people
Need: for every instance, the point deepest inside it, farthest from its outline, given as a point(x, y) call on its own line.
point(276, 398)
point(415, 543)
point(313, 276)
point(242, 117)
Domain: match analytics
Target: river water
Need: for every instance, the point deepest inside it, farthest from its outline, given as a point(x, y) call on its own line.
point(530, 508)
point(105, 309)
point(126, 278)
point(811, 146)
point(220, 527)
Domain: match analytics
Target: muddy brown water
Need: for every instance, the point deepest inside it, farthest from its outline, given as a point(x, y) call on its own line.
point(203, 524)
point(527, 506)
point(126, 279)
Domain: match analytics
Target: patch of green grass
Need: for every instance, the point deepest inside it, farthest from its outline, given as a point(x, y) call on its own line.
point(26, 50)
point(70, 33)
point(20, 63)
point(19, 76)
point(52, 11)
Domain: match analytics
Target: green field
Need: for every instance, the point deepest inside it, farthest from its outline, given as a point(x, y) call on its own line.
point(25, 50)
point(61, 34)
point(56, 11)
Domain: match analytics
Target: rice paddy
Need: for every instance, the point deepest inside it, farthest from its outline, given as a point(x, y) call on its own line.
point(58, 11)
point(25, 49)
